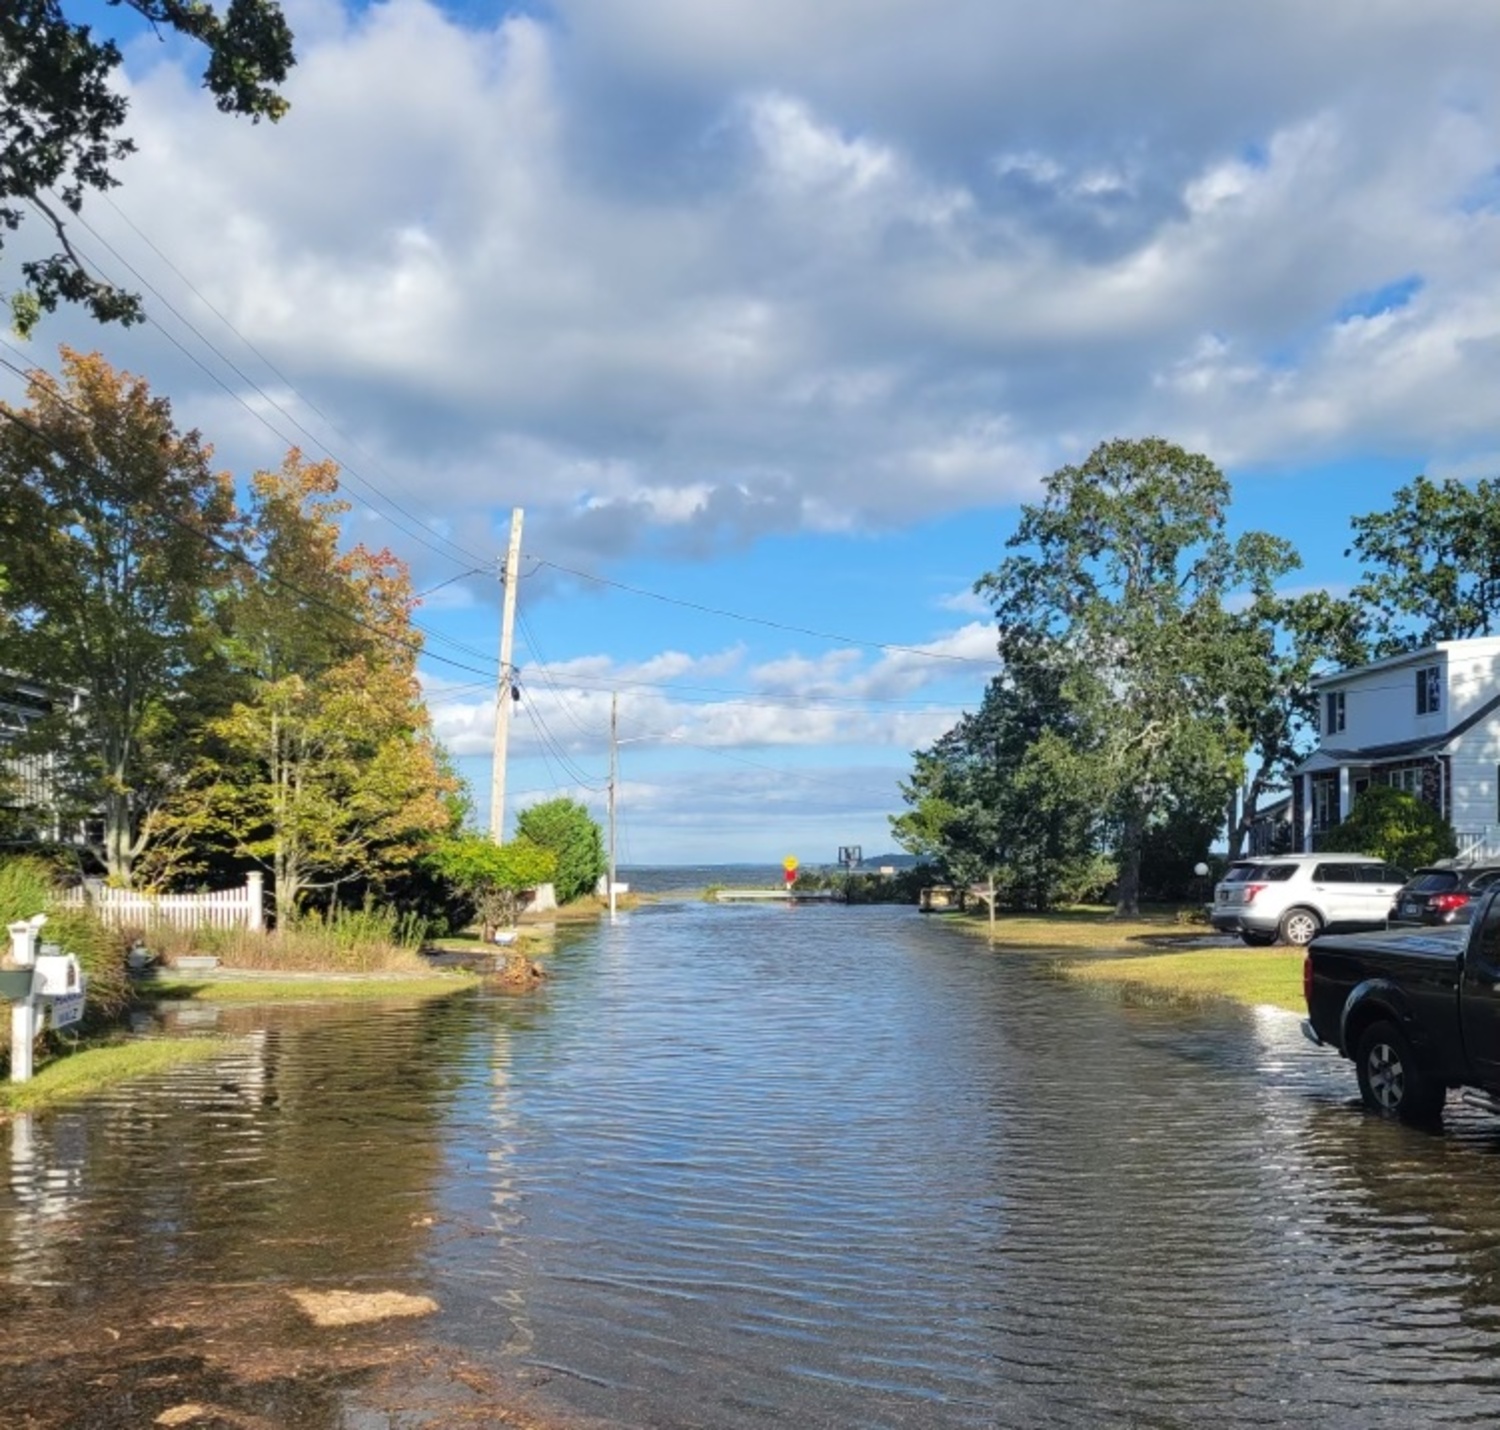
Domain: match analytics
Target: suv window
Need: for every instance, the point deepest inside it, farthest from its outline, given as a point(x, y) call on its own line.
point(1337, 873)
point(1260, 873)
point(1434, 881)
point(1381, 874)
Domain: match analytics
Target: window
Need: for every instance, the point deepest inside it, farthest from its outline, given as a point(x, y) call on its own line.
point(1336, 874)
point(1409, 779)
point(1325, 804)
point(1429, 690)
point(1333, 712)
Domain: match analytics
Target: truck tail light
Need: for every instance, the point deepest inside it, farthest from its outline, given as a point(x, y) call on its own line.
point(1307, 981)
point(1446, 903)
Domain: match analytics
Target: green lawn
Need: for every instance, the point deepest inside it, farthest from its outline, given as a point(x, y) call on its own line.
point(84, 1073)
point(1248, 975)
point(228, 989)
point(1161, 953)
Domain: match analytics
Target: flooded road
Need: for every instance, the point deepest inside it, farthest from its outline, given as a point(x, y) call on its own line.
point(735, 1167)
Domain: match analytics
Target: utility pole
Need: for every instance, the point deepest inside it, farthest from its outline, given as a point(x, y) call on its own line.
point(614, 775)
point(505, 688)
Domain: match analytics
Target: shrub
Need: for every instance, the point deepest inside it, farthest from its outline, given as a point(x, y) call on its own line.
point(1393, 825)
point(565, 827)
point(27, 888)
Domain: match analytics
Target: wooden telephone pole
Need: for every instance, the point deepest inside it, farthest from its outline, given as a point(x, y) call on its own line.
point(505, 688)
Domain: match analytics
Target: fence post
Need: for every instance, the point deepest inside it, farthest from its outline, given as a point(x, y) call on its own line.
point(255, 895)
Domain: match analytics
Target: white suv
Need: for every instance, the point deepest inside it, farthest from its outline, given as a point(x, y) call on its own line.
point(1294, 897)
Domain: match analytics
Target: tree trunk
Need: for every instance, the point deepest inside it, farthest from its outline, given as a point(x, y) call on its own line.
point(1128, 896)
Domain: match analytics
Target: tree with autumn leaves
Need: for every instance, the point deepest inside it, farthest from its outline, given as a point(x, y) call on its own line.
point(247, 688)
point(324, 770)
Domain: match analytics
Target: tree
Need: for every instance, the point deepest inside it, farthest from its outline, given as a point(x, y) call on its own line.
point(325, 769)
point(1002, 794)
point(62, 116)
point(565, 827)
point(1123, 569)
point(1432, 561)
point(493, 876)
point(1393, 825)
point(1283, 642)
point(113, 571)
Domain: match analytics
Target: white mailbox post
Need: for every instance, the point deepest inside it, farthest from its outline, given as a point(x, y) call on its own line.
point(59, 980)
point(23, 1023)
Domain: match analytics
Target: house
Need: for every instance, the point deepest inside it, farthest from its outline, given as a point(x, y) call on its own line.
point(1426, 721)
point(1271, 830)
point(28, 812)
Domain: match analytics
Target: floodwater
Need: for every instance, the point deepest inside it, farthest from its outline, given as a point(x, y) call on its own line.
point(740, 1167)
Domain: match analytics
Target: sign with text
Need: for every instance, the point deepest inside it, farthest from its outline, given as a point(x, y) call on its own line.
point(65, 1010)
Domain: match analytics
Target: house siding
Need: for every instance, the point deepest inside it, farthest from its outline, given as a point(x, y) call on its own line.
point(1475, 800)
point(1380, 703)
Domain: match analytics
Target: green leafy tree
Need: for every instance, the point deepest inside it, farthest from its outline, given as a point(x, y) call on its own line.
point(1393, 825)
point(565, 827)
point(1124, 568)
point(62, 117)
point(493, 876)
point(1282, 643)
point(113, 572)
point(1432, 563)
point(1006, 793)
point(325, 770)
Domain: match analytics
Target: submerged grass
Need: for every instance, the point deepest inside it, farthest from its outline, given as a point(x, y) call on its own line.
point(1161, 953)
point(274, 990)
point(86, 1072)
point(1250, 975)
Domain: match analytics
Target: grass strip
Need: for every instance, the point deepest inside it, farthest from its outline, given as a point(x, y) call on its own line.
point(1250, 975)
point(83, 1073)
point(282, 990)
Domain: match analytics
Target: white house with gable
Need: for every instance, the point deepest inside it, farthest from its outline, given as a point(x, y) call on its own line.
point(1426, 721)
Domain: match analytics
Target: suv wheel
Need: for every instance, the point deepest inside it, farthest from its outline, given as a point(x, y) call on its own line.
point(1299, 927)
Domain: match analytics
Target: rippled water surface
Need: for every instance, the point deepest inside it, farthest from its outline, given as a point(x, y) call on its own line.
point(812, 1166)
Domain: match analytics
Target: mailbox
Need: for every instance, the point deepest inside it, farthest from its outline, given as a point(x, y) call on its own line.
point(57, 974)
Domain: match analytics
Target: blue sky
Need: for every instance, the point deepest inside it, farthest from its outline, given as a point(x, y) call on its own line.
point(778, 312)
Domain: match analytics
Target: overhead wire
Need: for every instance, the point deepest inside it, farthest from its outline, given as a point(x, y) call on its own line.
point(231, 553)
point(422, 530)
point(274, 370)
point(758, 620)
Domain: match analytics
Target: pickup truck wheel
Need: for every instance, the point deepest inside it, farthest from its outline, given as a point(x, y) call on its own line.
point(1390, 1080)
point(1299, 927)
point(1256, 939)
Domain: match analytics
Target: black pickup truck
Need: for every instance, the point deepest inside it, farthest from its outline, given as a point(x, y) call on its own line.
point(1418, 1012)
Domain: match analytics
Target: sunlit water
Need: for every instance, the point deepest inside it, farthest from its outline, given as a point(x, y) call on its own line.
point(810, 1166)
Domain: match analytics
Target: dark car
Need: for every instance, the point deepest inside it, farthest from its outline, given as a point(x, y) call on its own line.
point(1435, 895)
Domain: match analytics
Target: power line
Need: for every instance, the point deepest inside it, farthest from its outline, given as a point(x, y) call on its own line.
point(761, 620)
point(345, 468)
point(229, 552)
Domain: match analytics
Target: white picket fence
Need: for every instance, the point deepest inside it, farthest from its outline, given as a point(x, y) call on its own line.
point(223, 909)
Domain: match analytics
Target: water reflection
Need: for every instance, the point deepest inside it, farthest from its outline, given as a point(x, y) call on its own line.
point(739, 1167)
point(158, 1227)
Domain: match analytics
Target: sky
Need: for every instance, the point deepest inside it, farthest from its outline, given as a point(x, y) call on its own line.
point(769, 316)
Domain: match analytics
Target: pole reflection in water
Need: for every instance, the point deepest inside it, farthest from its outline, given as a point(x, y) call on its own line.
point(739, 1166)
